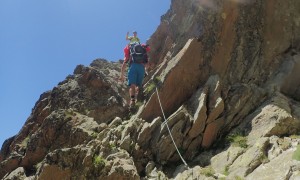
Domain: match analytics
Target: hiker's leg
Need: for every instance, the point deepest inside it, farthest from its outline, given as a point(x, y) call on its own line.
point(132, 79)
point(137, 90)
point(140, 75)
point(132, 92)
point(132, 75)
point(139, 79)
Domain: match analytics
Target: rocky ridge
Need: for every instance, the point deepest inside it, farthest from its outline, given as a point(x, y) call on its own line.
point(228, 78)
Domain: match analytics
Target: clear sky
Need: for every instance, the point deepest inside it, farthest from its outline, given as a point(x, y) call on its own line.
point(42, 41)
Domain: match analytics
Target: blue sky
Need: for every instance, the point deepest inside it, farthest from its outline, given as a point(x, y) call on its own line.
point(41, 42)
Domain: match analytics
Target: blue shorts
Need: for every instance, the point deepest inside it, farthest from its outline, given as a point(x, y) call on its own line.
point(136, 74)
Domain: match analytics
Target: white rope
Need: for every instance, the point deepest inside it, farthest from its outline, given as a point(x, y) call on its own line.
point(166, 123)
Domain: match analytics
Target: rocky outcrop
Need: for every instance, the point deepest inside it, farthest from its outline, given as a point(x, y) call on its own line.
point(227, 80)
point(67, 116)
point(265, 142)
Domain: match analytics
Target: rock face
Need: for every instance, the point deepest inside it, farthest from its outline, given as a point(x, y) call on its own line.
point(227, 77)
point(69, 115)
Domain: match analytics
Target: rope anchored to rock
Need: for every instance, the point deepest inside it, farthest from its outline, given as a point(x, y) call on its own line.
point(166, 123)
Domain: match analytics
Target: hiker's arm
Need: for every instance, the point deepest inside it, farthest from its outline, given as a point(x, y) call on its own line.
point(122, 71)
point(127, 36)
point(146, 66)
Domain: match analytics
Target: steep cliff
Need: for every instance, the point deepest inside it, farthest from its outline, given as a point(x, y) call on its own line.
point(227, 73)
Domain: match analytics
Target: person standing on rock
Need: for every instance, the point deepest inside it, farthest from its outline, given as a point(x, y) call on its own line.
point(137, 58)
point(133, 39)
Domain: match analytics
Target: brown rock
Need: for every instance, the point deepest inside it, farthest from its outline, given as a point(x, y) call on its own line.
point(211, 131)
point(178, 82)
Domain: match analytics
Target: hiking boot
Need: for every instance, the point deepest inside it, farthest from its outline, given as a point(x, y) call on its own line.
point(132, 103)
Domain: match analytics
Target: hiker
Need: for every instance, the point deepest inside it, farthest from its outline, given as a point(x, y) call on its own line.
point(137, 58)
point(132, 39)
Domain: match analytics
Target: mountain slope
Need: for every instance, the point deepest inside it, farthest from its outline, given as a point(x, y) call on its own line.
point(227, 72)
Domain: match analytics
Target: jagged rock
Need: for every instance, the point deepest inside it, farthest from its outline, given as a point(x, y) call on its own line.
point(222, 161)
point(193, 173)
point(149, 168)
point(215, 100)
point(250, 160)
point(5, 149)
point(122, 171)
point(282, 167)
point(178, 124)
point(157, 174)
point(91, 92)
point(290, 85)
point(16, 174)
point(67, 115)
point(148, 132)
point(178, 82)
point(122, 167)
point(277, 116)
point(65, 163)
point(198, 109)
point(261, 126)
